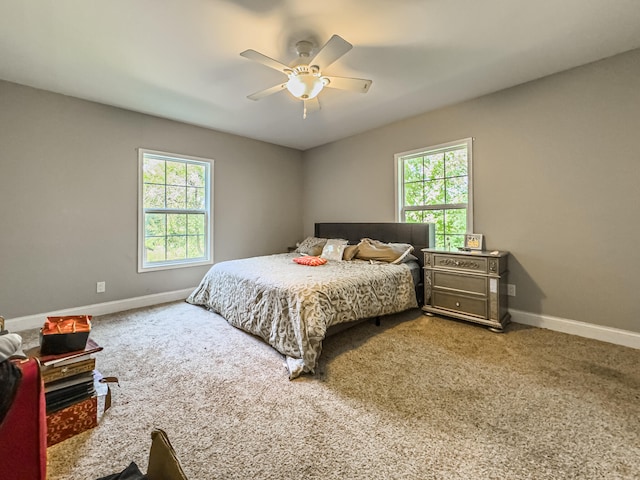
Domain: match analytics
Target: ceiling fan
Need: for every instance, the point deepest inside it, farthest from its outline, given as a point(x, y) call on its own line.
point(306, 80)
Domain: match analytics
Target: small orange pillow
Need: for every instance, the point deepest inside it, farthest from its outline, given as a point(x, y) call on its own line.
point(310, 260)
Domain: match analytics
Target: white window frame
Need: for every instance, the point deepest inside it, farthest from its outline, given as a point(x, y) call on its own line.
point(399, 176)
point(143, 266)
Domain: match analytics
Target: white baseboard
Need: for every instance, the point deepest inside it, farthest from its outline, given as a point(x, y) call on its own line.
point(36, 321)
point(582, 329)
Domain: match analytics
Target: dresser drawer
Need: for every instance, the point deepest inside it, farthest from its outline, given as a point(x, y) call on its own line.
point(459, 303)
point(458, 262)
point(462, 283)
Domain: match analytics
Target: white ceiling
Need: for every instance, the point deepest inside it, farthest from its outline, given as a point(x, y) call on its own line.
point(180, 59)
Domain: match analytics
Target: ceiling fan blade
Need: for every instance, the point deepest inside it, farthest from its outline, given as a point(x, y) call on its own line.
point(268, 61)
point(331, 51)
point(352, 84)
point(310, 106)
point(267, 91)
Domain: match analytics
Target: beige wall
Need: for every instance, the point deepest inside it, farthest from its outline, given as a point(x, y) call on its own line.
point(556, 174)
point(68, 198)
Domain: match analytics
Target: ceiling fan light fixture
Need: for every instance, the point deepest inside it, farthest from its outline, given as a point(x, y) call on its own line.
point(305, 85)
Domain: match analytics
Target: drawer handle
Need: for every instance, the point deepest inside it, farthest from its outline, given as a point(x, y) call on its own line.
point(459, 263)
point(457, 304)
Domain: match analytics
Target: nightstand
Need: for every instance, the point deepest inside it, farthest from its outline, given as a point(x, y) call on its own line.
point(468, 285)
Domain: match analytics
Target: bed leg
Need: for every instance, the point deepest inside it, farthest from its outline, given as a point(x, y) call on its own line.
point(377, 321)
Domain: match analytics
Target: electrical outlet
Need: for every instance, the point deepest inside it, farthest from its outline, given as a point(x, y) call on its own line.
point(511, 290)
point(101, 287)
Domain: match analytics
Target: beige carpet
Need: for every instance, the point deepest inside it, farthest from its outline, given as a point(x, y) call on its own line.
point(417, 398)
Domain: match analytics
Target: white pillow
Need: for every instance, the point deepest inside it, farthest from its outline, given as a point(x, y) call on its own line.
point(333, 249)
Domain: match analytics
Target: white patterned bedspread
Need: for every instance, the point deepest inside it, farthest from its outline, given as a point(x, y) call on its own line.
point(291, 306)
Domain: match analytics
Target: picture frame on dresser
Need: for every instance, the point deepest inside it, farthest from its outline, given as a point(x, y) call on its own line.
point(474, 241)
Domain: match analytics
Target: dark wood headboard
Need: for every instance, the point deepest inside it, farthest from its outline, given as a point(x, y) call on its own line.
point(420, 235)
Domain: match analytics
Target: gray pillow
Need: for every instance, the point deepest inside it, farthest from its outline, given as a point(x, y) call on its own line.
point(311, 246)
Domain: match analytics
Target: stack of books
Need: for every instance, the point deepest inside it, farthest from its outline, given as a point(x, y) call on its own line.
point(70, 381)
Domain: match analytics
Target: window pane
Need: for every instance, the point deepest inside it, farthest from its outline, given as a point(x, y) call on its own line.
point(196, 175)
point(413, 170)
point(195, 224)
point(154, 249)
point(153, 196)
point(176, 224)
point(434, 166)
point(440, 242)
point(434, 192)
point(195, 198)
point(457, 190)
point(413, 194)
point(176, 173)
point(155, 224)
point(454, 242)
point(456, 221)
point(176, 197)
point(176, 247)
point(437, 217)
point(195, 246)
point(153, 171)
point(456, 163)
point(413, 217)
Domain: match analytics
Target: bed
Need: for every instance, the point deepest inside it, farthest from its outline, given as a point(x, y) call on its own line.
point(292, 306)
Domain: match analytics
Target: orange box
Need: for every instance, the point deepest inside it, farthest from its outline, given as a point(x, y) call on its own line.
point(72, 420)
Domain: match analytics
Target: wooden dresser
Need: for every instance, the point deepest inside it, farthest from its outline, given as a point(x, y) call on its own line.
point(467, 285)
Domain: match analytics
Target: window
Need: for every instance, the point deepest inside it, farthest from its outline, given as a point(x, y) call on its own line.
point(174, 211)
point(434, 185)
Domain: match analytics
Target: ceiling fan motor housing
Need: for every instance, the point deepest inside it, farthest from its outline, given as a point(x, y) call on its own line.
point(304, 48)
